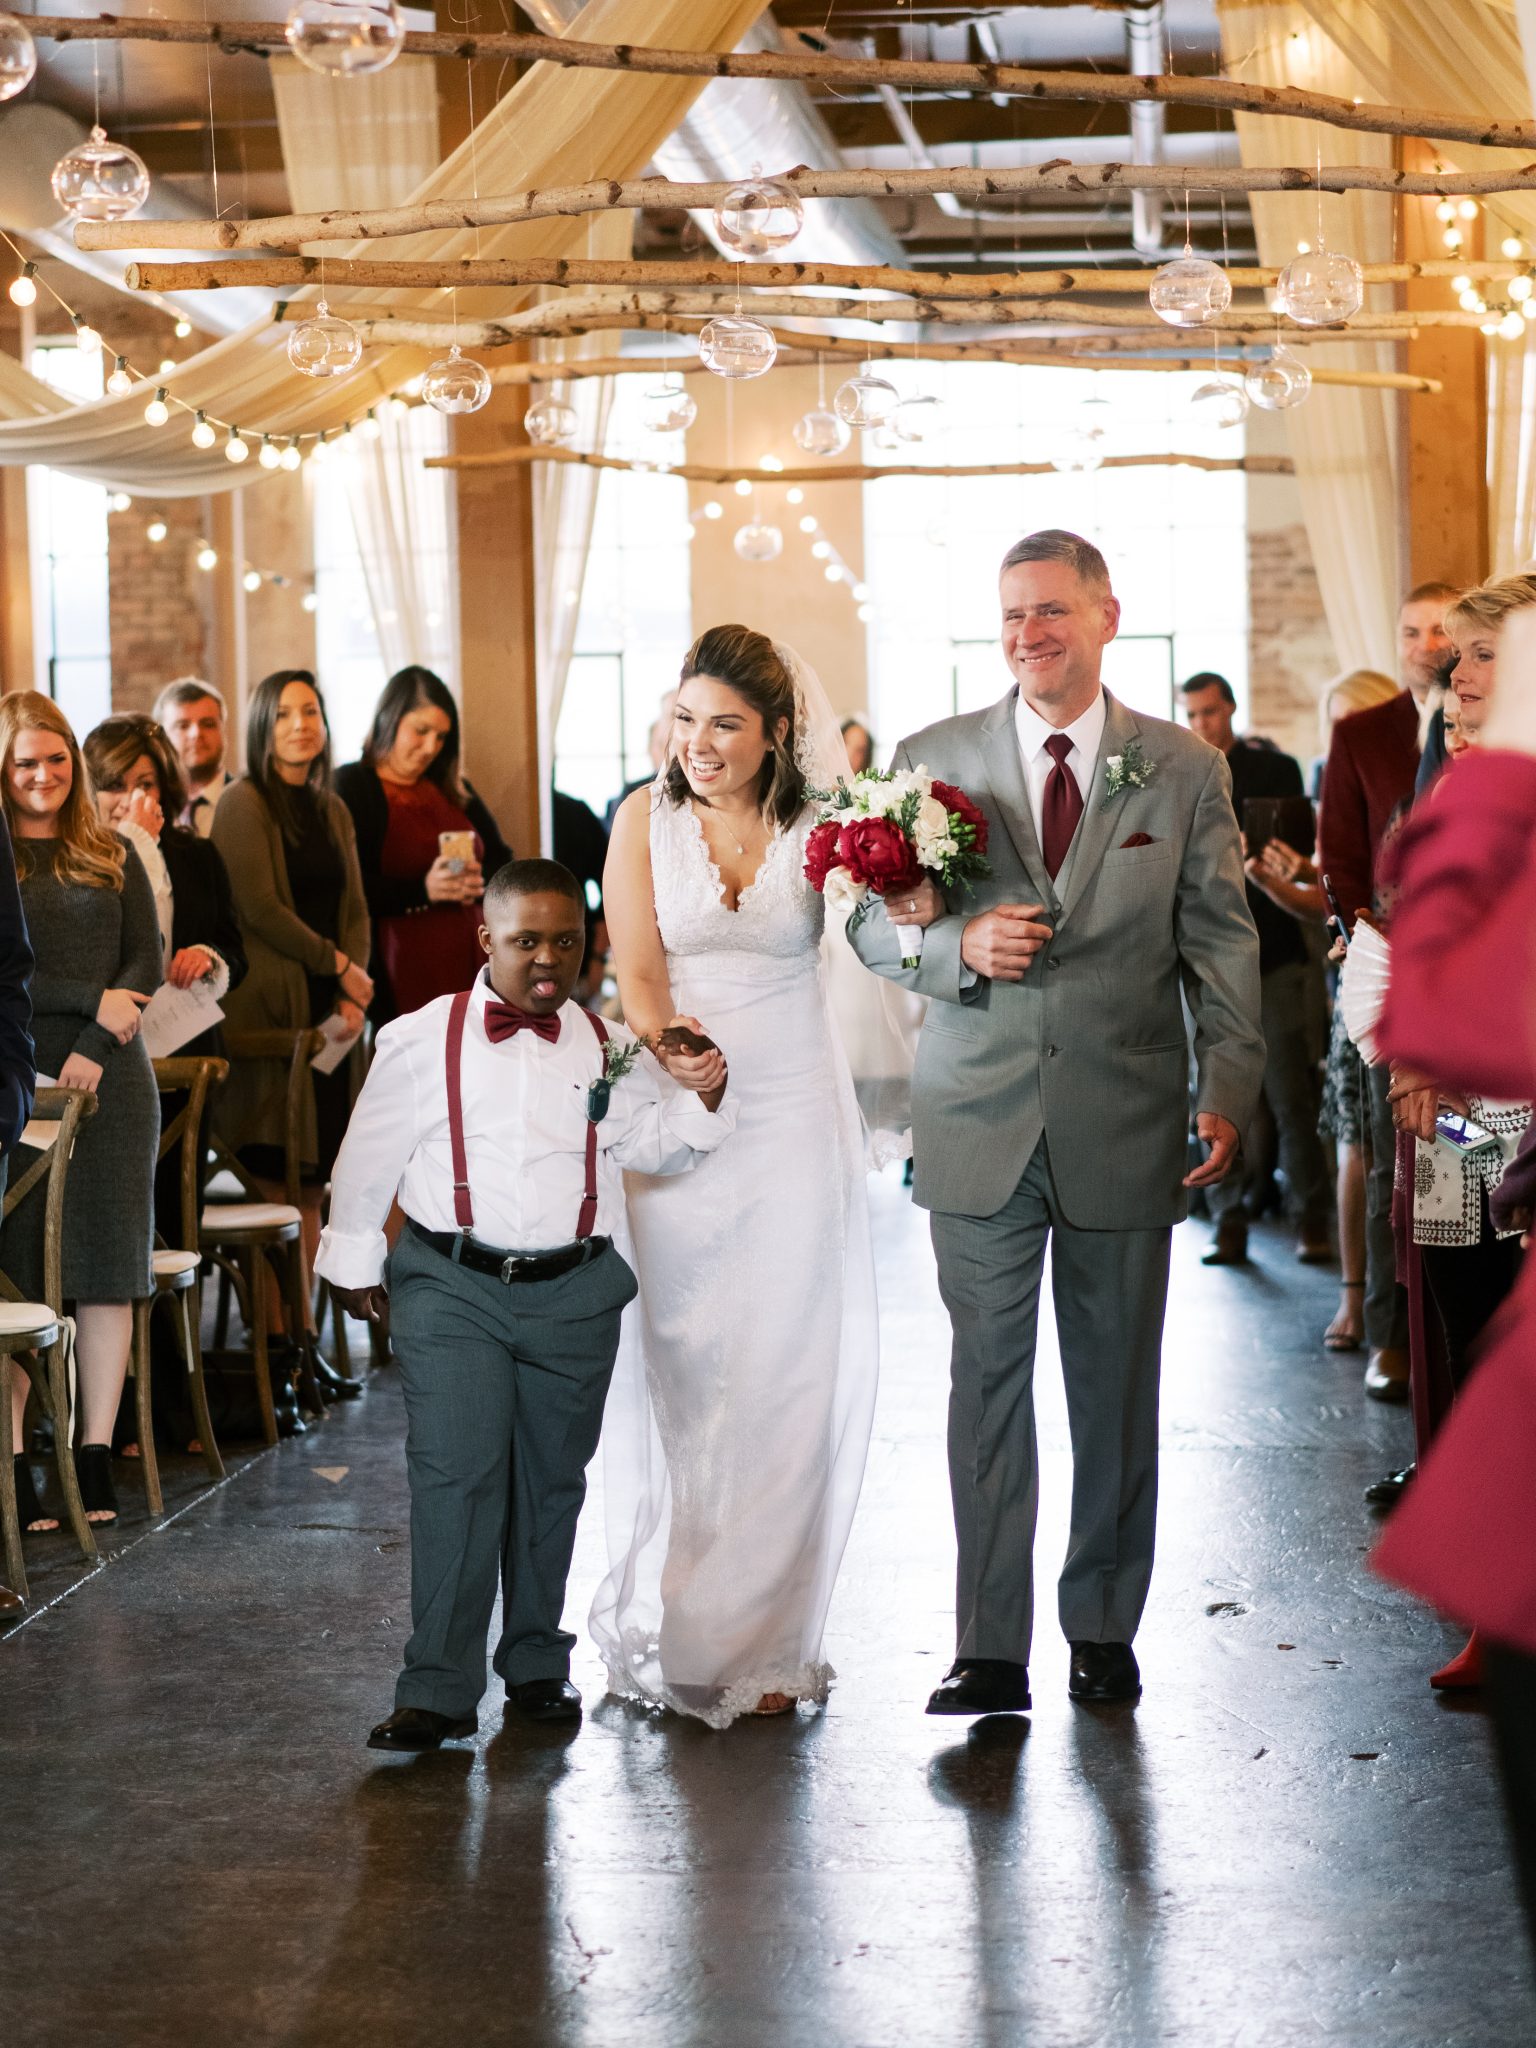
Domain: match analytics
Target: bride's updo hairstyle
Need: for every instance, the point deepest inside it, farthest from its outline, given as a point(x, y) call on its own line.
point(749, 664)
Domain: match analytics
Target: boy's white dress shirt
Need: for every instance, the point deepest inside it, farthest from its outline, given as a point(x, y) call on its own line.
point(525, 1134)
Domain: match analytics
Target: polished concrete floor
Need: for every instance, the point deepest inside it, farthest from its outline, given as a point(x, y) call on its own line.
point(1290, 1841)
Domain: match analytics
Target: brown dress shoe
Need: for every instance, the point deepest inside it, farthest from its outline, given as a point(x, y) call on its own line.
point(1229, 1247)
point(11, 1604)
point(1386, 1376)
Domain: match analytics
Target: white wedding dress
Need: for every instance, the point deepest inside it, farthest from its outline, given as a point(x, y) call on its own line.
point(739, 1419)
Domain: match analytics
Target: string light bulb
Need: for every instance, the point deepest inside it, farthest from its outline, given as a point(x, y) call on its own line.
point(1512, 247)
point(743, 487)
point(1452, 239)
point(309, 602)
point(157, 412)
point(156, 531)
point(207, 558)
point(23, 289)
point(87, 340)
point(203, 435)
point(1445, 212)
point(120, 501)
point(1468, 209)
point(291, 457)
point(236, 448)
point(1512, 326)
point(808, 523)
point(182, 329)
point(251, 580)
point(267, 455)
point(369, 426)
point(120, 383)
point(1519, 289)
point(714, 509)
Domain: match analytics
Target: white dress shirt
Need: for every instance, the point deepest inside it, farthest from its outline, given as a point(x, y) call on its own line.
point(202, 803)
point(525, 1132)
point(1084, 733)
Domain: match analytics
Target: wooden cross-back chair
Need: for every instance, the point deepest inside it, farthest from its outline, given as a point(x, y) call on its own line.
point(241, 1237)
point(34, 1331)
point(177, 1267)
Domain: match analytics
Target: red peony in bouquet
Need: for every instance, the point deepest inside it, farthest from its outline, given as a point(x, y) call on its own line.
point(882, 831)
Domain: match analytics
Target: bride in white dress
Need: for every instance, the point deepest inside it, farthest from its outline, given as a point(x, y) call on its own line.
point(737, 1427)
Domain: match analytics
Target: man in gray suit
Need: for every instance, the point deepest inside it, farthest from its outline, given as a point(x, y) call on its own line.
point(1049, 1104)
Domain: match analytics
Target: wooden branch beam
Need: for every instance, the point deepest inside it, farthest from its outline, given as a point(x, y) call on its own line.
point(825, 68)
point(855, 472)
point(928, 287)
point(292, 230)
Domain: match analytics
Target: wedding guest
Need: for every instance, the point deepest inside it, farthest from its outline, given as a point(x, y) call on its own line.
point(193, 716)
point(288, 843)
point(91, 915)
point(860, 743)
point(1464, 951)
point(658, 741)
point(18, 1064)
point(1373, 758)
point(580, 843)
point(1292, 994)
point(505, 1290)
point(405, 793)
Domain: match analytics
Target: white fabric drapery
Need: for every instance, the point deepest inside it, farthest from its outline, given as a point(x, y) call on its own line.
point(555, 126)
point(1344, 440)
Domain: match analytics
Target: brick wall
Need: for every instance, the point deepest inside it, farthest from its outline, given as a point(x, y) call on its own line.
point(159, 598)
point(1290, 654)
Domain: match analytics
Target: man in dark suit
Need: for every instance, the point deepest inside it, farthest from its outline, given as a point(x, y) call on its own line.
point(18, 1067)
point(1291, 992)
point(1372, 766)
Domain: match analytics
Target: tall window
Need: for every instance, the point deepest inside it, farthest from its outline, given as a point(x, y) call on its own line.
point(636, 617)
point(67, 522)
point(1175, 539)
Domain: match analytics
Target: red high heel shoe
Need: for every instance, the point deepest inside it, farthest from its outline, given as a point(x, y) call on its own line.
point(1463, 1673)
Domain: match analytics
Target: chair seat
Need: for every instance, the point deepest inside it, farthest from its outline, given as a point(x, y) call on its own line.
point(223, 1220)
point(224, 1186)
point(175, 1269)
point(32, 1319)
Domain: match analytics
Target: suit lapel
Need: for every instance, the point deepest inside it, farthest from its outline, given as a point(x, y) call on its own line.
point(1005, 779)
point(1099, 820)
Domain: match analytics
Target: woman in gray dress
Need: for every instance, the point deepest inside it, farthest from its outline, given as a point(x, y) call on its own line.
point(91, 915)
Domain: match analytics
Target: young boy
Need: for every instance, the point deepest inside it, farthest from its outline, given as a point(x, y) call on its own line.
point(488, 1113)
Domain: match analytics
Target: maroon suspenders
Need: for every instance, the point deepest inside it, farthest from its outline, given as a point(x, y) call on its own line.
point(463, 1208)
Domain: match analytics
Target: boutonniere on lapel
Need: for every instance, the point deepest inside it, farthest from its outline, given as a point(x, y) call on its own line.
point(1129, 769)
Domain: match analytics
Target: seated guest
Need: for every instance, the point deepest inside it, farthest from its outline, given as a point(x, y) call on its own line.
point(91, 915)
point(287, 841)
point(18, 1067)
point(192, 714)
point(404, 795)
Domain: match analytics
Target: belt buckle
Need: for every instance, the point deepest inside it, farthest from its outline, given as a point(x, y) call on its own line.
point(511, 1268)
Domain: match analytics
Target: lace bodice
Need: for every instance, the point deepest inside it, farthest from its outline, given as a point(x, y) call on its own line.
point(779, 915)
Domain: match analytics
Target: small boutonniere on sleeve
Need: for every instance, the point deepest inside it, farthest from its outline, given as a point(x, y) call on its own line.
point(1129, 769)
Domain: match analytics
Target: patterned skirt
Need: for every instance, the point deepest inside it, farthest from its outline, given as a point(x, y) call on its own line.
point(1339, 1117)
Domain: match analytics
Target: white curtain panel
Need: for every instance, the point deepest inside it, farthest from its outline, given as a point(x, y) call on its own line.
point(1344, 440)
point(554, 127)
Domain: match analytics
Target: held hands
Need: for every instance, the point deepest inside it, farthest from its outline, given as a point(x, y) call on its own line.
point(368, 1304)
point(191, 963)
point(1001, 943)
point(354, 982)
point(454, 881)
point(704, 1074)
point(921, 905)
point(119, 1012)
point(1221, 1137)
point(79, 1072)
point(350, 1015)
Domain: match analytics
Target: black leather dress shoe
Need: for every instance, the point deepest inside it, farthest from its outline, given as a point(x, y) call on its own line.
point(1385, 1493)
point(1102, 1672)
point(412, 1729)
point(545, 1699)
point(981, 1685)
point(1229, 1247)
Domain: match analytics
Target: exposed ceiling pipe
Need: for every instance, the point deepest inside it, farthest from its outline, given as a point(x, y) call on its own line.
point(1144, 49)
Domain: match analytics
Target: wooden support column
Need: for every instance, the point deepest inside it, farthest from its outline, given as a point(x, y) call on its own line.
point(17, 653)
point(228, 649)
point(1442, 440)
point(493, 526)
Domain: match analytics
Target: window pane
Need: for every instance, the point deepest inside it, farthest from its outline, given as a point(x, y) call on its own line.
point(67, 527)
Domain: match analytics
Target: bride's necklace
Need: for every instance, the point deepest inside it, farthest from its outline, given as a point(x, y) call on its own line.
point(739, 844)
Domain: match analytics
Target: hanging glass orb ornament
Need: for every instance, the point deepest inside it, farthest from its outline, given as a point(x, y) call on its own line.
point(345, 38)
point(1281, 382)
point(1220, 402)
point(456, 383)
point(1191, 291)
point(550, 423)
point(667, 408)
point(866, 400)
point(735, 347)
point(917, 420)
point(100, 180)
point(1321, 288)
point(325, 346)
point(819, 432)
point(759, 215)
point(758, 543)
point(18, 56)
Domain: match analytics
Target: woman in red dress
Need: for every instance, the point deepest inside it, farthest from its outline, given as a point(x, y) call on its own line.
point(423, 890)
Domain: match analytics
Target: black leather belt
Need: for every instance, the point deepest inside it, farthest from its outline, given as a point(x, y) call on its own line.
point(509, 1267)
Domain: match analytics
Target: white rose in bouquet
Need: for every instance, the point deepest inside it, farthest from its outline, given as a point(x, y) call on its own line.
point(842, 892)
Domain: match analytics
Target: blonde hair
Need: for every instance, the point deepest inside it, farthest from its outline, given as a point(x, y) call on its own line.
point(1360, 688)
point(1490, 604)
point(87, 852)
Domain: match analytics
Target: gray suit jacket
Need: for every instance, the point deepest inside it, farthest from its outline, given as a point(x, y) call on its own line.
point(1090, 1047)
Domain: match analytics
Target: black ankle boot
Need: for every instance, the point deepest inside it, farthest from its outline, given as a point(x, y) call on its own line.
point(285, 1405)
point(93, 1469)
point(333, 1385)
point(28, 1507)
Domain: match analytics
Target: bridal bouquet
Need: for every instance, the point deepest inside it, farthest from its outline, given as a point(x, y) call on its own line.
point(882, 831)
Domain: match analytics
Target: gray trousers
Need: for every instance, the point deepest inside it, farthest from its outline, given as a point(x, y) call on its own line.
point(1386, 1303)
point(1109, 1289)
point(504, 1392)
point(1291, 1006)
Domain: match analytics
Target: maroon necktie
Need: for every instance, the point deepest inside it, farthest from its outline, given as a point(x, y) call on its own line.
point(505, 1020)
point(1062, 807)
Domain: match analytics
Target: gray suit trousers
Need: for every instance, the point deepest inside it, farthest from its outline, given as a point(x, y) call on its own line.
point(504, 1393)
point(1109, 1288)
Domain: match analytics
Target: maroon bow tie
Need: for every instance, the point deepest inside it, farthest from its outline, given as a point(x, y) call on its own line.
point(505, 1020)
